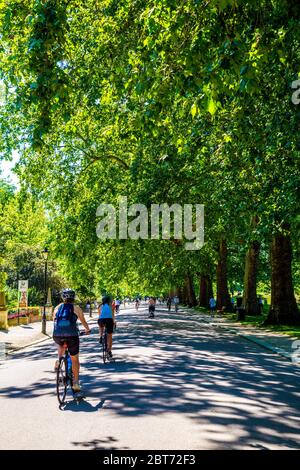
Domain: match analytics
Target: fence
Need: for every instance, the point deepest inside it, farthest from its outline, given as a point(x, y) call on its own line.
point(24, 316)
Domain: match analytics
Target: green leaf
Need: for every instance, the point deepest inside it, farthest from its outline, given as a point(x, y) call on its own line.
point(212, 107)
point(194, 110)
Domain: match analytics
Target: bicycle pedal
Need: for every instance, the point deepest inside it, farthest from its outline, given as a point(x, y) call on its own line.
point(78, 396)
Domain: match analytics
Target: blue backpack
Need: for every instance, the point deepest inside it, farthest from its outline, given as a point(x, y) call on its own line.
point(65, 316)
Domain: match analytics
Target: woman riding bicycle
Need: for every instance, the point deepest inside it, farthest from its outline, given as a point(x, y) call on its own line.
point(66, 333)
point(106, 318)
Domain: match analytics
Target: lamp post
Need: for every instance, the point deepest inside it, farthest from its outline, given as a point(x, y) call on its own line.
point(45, 253)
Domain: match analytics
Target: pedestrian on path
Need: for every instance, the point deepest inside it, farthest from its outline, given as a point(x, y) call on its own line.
point(176, 302)
point(212, 305)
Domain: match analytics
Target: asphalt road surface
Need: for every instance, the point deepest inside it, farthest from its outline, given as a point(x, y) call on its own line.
point(177, 383)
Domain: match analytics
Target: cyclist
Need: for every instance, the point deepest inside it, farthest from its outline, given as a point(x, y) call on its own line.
point(106, 318)
point(66, 331)
point(151, 307)
point(118, 303)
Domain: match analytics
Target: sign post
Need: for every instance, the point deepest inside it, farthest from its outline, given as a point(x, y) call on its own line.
point(22, 296)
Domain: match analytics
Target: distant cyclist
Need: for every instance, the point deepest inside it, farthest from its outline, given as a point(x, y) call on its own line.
point(169, 303)
point(65, 331)
point(117, 305)
point(151, 307)
point(106, 318)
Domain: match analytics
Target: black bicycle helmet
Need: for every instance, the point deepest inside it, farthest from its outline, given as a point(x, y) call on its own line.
point(68, 294)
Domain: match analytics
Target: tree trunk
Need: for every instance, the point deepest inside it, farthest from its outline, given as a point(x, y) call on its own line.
point(184, 294)
point(250, 300)
point(180, 294)
point(191, 297)
point(223, 297)
point(206, 291)
point(284, 308)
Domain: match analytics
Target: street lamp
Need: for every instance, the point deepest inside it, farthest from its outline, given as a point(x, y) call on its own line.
point(45, 254)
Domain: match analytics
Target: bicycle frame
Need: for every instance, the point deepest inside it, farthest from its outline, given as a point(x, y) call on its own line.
point(64, 375)
point(104, 345)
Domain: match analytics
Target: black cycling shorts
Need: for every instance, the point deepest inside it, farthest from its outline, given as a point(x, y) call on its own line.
point(109, 324)
point(152, 308)
point(72, 343)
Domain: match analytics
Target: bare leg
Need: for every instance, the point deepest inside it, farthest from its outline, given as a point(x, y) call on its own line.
point(109, 342)
point(75, 367)
point(60, 351)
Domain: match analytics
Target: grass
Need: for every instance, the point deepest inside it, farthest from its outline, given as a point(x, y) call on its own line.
point(257, 321)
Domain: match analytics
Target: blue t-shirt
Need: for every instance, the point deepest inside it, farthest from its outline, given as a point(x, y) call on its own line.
point(212, 303)
point(105, 311)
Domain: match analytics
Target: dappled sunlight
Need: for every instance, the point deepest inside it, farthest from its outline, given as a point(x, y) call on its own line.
point(236, 393)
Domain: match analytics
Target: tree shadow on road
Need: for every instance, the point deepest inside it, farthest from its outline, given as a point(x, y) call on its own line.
point(237, 394)
point(108, 443)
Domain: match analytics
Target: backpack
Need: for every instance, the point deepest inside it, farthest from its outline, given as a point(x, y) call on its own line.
point(65, 315)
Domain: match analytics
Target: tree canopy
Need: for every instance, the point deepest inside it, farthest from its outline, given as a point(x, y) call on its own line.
point(182, 101)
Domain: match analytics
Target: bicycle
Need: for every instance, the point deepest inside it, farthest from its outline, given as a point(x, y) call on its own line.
point(151, 311)
point(64, 377)
point(105, 356)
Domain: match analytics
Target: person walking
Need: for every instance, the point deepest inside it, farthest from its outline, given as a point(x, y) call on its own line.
point(176, 303)
point(212, 305)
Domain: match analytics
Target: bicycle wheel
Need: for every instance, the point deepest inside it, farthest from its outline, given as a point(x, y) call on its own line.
point(62, 380)
point(104, 347)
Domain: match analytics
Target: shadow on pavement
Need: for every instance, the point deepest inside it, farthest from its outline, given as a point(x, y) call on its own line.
point(82, 406)
point(108, 443)
point(238, 394)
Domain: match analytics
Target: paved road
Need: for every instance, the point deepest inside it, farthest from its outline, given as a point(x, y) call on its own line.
point(177, 383)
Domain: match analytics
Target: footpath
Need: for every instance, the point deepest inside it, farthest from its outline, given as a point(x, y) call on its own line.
point(279, 343)
point(19, 337)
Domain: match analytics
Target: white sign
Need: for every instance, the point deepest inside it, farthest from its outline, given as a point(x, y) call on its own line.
point(23, 286)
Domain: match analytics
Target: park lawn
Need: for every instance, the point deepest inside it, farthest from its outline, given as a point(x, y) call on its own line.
point(257, 321)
